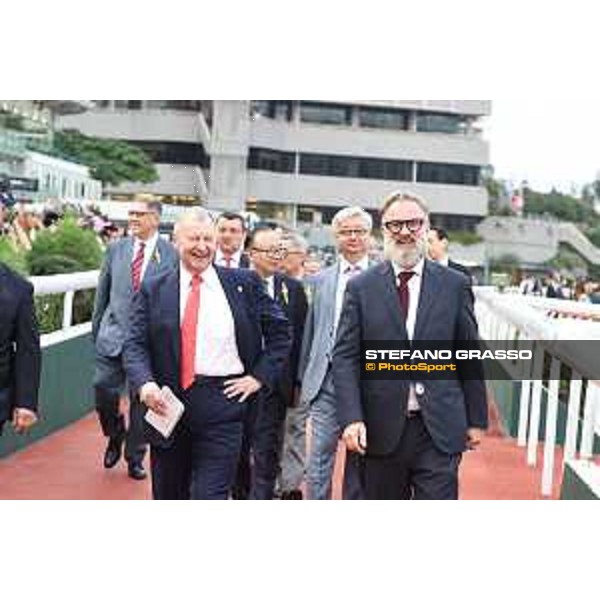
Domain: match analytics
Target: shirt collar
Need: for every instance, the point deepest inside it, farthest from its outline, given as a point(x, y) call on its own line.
point(209, 276)
point(149, 243)
point(235, 257)
point(363, 263)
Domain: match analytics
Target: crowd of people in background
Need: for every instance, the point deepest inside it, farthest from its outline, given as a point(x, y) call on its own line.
point(560, 287)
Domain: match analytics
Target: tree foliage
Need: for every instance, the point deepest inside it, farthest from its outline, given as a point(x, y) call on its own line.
point(111, 161)
point(561, 206)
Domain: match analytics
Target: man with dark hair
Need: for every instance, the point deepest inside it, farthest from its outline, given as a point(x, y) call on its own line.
point(437, 240)
point(127, 263)
point(20, 354)
point(264, 429)
point(231, 235)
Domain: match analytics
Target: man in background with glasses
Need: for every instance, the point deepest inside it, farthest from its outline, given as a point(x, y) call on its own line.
point(411, 432)
point(126, 264)
point(265, 420)
point(351, 228)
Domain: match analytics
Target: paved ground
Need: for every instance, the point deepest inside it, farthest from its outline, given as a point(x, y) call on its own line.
point(67, 465)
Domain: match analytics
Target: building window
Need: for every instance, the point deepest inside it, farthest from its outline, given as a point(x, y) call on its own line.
point(358, 167)
point(448, 173)
point(327, 114)
point(440, 123)
point(134, 104)
point(187, 105)
point(102, 103)
point(174, 153)
point(383, 118)
point(271, 160)
point(121, 104)
point(272, 109)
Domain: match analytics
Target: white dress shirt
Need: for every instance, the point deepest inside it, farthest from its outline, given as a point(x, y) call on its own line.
point(346, 272)
point(216, 347)
point(222, 261)
point(414, 294)
point(149, 249)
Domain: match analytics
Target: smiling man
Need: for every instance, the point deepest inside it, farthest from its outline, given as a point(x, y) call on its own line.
point(412, 433)
point(215, 337)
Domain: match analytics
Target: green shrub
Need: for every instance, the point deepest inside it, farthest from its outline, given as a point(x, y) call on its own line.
point(67, 249)
point(11, 257)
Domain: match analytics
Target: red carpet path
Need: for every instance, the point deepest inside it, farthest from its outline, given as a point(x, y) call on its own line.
point(68, 465)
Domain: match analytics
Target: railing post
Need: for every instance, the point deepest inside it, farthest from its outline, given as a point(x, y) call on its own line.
point(573, 417)
point(589, 421)
point(536, 401)
point(550, 437)
point(68, 309)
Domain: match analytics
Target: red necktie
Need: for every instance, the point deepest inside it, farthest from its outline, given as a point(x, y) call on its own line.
point(136, 267)
point(188, 334)
point(403, 293)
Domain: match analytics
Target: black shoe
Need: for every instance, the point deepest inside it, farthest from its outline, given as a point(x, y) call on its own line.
point(136, 472)
point(112, 453)
point(291, 495)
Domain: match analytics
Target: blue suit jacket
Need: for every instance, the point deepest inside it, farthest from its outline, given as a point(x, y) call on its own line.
point(371, 312)
point(153, 343)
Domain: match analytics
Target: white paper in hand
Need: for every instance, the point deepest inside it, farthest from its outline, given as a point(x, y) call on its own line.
point(165, 424)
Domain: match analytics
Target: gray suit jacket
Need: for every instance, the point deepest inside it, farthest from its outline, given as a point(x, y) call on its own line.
point(319, 333)
point(115, 290)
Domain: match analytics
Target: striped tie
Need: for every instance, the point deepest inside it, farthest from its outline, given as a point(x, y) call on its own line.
point(136, 267)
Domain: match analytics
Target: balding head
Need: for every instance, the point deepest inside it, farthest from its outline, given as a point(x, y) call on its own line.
point(195, 239)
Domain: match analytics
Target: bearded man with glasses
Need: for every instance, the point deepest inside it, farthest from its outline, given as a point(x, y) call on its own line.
point(411, 432)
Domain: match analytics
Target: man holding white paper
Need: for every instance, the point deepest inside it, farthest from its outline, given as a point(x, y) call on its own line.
point(214, 337)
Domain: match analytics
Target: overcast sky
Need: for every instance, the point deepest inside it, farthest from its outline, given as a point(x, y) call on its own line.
point(548, 142)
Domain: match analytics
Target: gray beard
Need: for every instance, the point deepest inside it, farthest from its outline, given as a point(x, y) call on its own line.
point(405, 258)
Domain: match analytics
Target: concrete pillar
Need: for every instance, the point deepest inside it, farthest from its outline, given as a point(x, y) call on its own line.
point(230, 140)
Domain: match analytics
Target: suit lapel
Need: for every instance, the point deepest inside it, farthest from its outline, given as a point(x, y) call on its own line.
point(172, 313)
point(431, 289)
point(233, 294)
point(329, 292)
point(389, 292)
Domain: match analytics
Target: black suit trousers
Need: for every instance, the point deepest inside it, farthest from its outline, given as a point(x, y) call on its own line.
point(416, 470)
point(201, 462)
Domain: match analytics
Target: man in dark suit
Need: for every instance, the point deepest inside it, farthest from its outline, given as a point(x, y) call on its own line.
point(214, 337)
point(265, 422)
point(412, 433)
point(231, 237)
point(20, 354)
point(127, 263)
point(437, 250)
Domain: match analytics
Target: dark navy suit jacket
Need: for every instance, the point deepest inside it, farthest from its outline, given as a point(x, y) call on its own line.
point(152, 346)
point(20, 355)
point(372, 312)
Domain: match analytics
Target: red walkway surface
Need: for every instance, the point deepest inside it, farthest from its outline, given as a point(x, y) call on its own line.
point(68, 465)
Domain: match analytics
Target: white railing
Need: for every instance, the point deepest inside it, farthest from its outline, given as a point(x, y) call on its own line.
point(66, 284)
point(507, 317)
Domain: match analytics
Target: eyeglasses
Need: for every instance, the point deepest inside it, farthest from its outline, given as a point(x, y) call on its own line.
point(272, 252)
point(138, 213)
point(413, 225)
point(352, 232)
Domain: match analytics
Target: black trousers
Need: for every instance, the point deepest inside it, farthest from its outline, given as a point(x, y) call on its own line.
point(262, 446)
point(201, 462)
point(416, 470)
point(109, 381)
